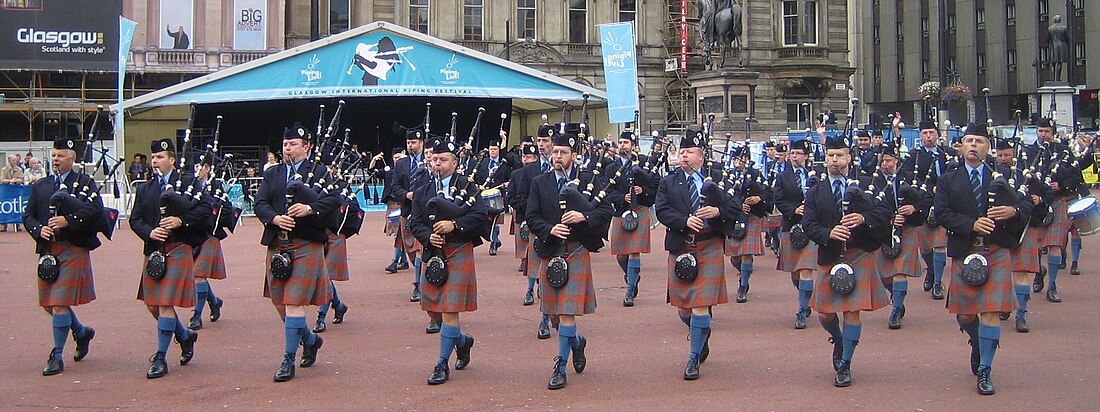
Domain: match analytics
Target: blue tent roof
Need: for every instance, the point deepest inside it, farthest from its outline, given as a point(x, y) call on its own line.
point(378, 59)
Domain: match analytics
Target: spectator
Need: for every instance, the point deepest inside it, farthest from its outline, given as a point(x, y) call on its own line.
point(34, 172)
point(13, 172)
point(139, 169)
point(271, 161)
point(27, 161)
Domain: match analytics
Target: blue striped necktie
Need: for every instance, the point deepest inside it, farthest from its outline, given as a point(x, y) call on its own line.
point(838, 194)
point(976, 186)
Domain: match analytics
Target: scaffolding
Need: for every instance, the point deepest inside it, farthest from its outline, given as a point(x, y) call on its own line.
point(678, 91)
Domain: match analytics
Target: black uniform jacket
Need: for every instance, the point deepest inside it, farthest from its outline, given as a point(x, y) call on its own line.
point(469, 225)
point(674, 205)
point(82, 221)
point(543, 212)
point(271, 202)
point(648, 181)
point(957, 210)
point(146, 213)
point(822, 214)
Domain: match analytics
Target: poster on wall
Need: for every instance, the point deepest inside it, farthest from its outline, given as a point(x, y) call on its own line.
point(59, 35)
point(250, 24)
point(177, 21)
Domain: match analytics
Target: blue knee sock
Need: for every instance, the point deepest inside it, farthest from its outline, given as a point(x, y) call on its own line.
point(397, 254)
point(448, 337)
point(939, 261)
point(181, 331)
point(322, 311)
point(633, 271)
point(61, 324)
point(805, 291)
point(496, 234)
point(211, 298)
point(531, 284)
point(165, 327)
point(899, 289)
point(832, 326)
point(335, 296)
point(416, 270)
point(851, 338)
point(971, 329)
point(928, 264)
point(1054, 261)
point(75, 325)
point(1075, 247)
point(202, 291)
point(686, 320)
point(1023, 294)
point(623, 261)
point(746, 272)
point(988, 338)
point(293, 331)
point(699, 325)
point(566, 334)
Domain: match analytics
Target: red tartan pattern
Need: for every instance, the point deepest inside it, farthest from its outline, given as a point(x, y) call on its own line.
point(625, 243)
point(74, 284)
point(521, 245)
point(1026, 257)
point(752, 244)
point(868, 295)
point(578, 297)
point(308, 281)
point(336, 260)
point(932, 237)
point(1055, 234)
point(177, 287)
point(792, 259)
point(411, 244)
point(211, 261)
point(459, 294)
point(709, 287)
point(908, 263)
point(996, 295)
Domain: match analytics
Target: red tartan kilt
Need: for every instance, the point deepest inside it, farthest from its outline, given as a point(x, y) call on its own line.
point(752, 244)
point(1025, 258)
point(391, 226)
point(308, 281)
point(211, 261)
point(908, 263)
point(74, 284)
point(868, 295)
point(533, 262)
point(625, 243)
point(459, 294)
point(792, 259)
point(177, 287)
point(578, 297)
point(1055, 234)
point(411, 245)
point(773, 222)
point(709, 287)
point(996, 295)
point(932, 237)
point(336, 260)
point(521, 245)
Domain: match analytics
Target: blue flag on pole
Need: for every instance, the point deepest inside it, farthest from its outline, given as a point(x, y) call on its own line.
point(126, 29)
point(620, 70)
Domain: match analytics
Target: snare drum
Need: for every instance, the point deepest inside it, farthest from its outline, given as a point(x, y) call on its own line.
point(493, 199)
point(393, 222)
point(1085, 214)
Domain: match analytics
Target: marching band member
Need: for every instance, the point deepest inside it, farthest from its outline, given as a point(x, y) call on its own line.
point(518, 195)
point(519, 228)
point(566, 236)
point(932, 161)
point(790, 192)
point(409, 174)
point(210, 264)
point(393, 203)
point(696, 221)
point(497, 170)
point(1025, 258)
point(773, 224)
point(845, 223)
point(171, 224)
point(343, 224)
point(452, 239)
point(746, 242)
point(632, 194)
point(295, 236)
point(982, 228)
point(68, 235)
point(1082, 149)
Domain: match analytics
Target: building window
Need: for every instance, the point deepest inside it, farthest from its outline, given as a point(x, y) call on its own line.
point(578, 21)
point(925, 74)
point(790, 23)
point(473, 20)
point(798, 116)
point(339, 16)
point(418, 15)
point(23, 4)
point(1044, 10)
point(901, 32)
point(901, 71)
point(875, 34)
point(1079, 53)
point(925, 27)
point(525, 19)
point(876, 72)
point(981, 63)
point(951, 65)
point(809, 18)
point(1044, 57)
point(1078, 8)
point(628, 10)
point(1010, 57)
point(1010, 14)
point(979, 19)
point(951, 23)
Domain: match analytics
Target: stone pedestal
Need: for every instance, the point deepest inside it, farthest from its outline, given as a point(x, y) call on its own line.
point(1062, 96)
point(729, 95)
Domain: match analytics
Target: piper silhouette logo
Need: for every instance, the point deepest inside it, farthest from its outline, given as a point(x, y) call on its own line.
point(13, 206)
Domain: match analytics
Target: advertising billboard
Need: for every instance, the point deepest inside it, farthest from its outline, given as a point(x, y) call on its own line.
point(178, 19)
point(249, 25)
point(60, 34)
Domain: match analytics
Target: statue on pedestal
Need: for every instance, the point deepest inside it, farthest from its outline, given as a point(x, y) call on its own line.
point(1058, 42)
point(720, 29)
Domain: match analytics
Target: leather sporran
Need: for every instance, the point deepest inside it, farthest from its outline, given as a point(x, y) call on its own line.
point(975, 271)
point(436, 272)
point(557, 272)
point(892, 249)
point(282, 264)
point(740, 230)
point(630, 221)
point(157, 266)
point(687, 267)
point(799, 239)
point(524, 231)
point(842, 279)
point(48, 268)
point(931, 220)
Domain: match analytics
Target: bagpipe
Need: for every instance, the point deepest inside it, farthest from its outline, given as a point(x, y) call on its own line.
point(842, 278)
point(447, 205)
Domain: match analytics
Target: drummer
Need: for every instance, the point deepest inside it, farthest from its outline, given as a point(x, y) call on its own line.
point(519, 229)
point(393, 207)
point(1082, 149)
point(1025, 258)
point(517, 197)
point(493, 173)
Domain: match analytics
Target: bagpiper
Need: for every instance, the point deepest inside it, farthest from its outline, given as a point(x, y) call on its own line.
point(797, 255)
point(632, 193)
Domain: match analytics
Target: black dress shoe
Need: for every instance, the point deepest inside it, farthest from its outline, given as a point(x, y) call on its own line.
point(928, 280)
point(158, 367)
point(742, 294)
point(522, 265)
point(216, 310)
point(415, 297)
point(187, 347)
point(338, 317)
point(403, 265)
point(309, 352)
point(1052, 294)
point(195, 324)
point(800, 320)
point(320, 326)
point(579, 361)
point(54, 364)
point(1073, 270)
point(975, 357)
point(392, 268)
point(463, 352)
point(691, 372)
point(705, 352)
point(1003, 316)
point(493, 249)
point(529, 298)
point(1021, 323)
point(286, 370)
point(544, 330)
point(937, 291)
point(440, 374)
point(557, 380)
point(83, 343)
point(1040, 280)
point(634, 293)
point(433, 327)
point(985, 383)
point(843, 376)
point(895, 319)
point(1062, 266)
point(628, 301)
point(838, 352)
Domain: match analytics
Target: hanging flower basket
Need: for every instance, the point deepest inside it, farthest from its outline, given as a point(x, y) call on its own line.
point(930, 91)
point(956, 93)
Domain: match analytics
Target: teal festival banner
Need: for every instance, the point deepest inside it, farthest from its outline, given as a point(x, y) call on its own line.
point(620, 70)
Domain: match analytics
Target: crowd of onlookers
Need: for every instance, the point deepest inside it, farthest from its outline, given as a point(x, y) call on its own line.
point(21, 170)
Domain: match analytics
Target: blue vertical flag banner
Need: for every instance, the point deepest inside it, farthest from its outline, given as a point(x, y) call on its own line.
point(620, 70)
point(126, 29)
